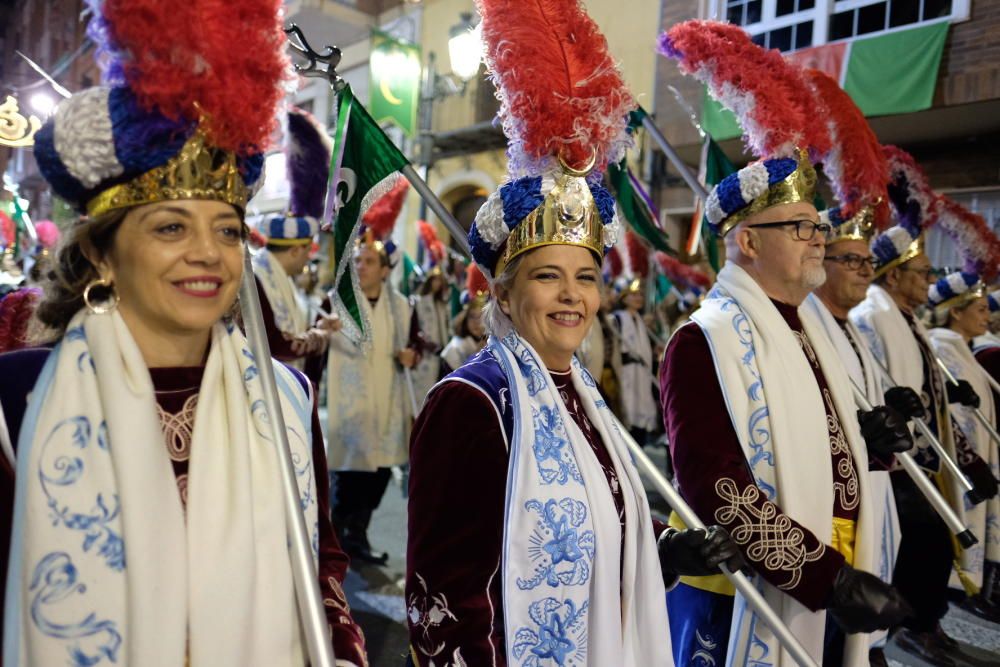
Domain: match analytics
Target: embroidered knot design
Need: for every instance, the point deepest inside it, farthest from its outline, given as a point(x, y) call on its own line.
point(770, 538)
point(557, 638)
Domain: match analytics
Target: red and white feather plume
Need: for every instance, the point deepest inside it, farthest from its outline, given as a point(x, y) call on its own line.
point(189, 59)
point(907, 178)
point(380, 218)
point(855, 164)
point(769, 95)
point(475, 281)
point(428, 236)
point(638, 255)
point(681, 274)
point(973, 238)
point(613, 264)
point(560, 91)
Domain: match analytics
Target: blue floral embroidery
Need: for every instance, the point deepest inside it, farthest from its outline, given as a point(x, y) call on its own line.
point(89, 641)
point(59, 467)
point(551, 445)
point(559, 551)
point(558, 638)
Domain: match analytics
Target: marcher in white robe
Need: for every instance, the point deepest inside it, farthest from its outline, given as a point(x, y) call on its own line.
point(960, 305)
point(434, 314)
point(849, 271)
point(636, 382)
point(369, 410)
point(899, 341)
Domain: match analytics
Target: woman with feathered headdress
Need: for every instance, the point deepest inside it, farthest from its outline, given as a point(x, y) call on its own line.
point(149, 523)
point(530, 538)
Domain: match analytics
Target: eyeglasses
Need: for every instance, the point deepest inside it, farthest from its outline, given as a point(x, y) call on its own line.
point(852, 261)
point(927, 273)
point(805, 230)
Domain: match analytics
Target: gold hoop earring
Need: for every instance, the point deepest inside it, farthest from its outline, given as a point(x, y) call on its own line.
point(100, 308)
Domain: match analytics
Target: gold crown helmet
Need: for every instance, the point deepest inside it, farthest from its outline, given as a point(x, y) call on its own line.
point(568, 216)
point(798, 186)
point(198, 171)
point(976, 291)
point(915, 248)
point(859, 227)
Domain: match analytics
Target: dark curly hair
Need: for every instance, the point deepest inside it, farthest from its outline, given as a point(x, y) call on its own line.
point(65, 281)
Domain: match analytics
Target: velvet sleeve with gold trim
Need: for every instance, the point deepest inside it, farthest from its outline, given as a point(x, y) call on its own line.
point(714, 478)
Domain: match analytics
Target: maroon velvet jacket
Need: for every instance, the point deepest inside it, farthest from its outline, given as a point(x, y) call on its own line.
point(705, 451)
point(458, 481)
point(177, 398)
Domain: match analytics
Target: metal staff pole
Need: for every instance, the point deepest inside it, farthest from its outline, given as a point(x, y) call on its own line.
point(304, 574)
point(936, 445)
point(992, 432)
point(964, 535)
point(454, 228)
point(738, 579)
point(674, 158)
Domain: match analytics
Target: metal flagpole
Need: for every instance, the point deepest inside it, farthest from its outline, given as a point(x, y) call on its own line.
point(936, 445)
point(979, 413)
point(311, 610)
point(964, 535)
point(738, 579)
point(674, 158)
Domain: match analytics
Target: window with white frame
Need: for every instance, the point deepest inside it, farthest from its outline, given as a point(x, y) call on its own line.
point(788, 25)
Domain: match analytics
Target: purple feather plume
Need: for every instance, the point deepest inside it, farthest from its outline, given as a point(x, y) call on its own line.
point(309, 150)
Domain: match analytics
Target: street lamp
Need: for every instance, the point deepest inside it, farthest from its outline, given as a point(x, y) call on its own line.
point(465, 47)
point(42, 103)
point(465, 51)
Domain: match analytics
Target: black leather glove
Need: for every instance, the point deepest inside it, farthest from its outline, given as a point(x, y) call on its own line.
point(963, 393)
point(885, 432)
point(697, 553)
point(906, 402)
point(861, 602)
point(984, 484)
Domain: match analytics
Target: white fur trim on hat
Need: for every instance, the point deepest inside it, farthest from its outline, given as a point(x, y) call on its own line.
point(900, 238)
point(753, 181)
point(84, 138)
point(489, 221)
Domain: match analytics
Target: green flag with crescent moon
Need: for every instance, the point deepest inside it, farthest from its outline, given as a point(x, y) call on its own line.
point(394, 81)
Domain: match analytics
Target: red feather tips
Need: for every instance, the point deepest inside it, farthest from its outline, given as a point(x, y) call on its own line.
point(973, 238)
point(769, 95)
point(220, 63)
point(855, 164)
point(560, 90)
point(381, 216)
point(256, 238)
point(428, 236)
point(8, 231)
point(613, 264)
point(638, 254)
point(475, 281)
point(681, 274)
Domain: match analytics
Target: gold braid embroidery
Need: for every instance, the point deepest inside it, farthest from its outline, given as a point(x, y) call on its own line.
point(769, 538)
point(846, 489)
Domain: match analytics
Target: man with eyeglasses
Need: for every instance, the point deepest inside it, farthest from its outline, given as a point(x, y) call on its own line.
point(765, 440)
point(850, 267)
point(899, 341)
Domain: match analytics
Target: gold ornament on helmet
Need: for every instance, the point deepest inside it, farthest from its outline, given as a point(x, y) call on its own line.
point(568, 216)
point(198, 171)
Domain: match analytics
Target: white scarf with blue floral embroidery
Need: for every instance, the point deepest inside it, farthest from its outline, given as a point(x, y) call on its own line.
point(566, 600)
point(105, 567)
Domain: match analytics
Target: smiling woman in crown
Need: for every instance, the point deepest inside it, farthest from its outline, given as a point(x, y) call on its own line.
point(148, 523)
point(530, 536)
